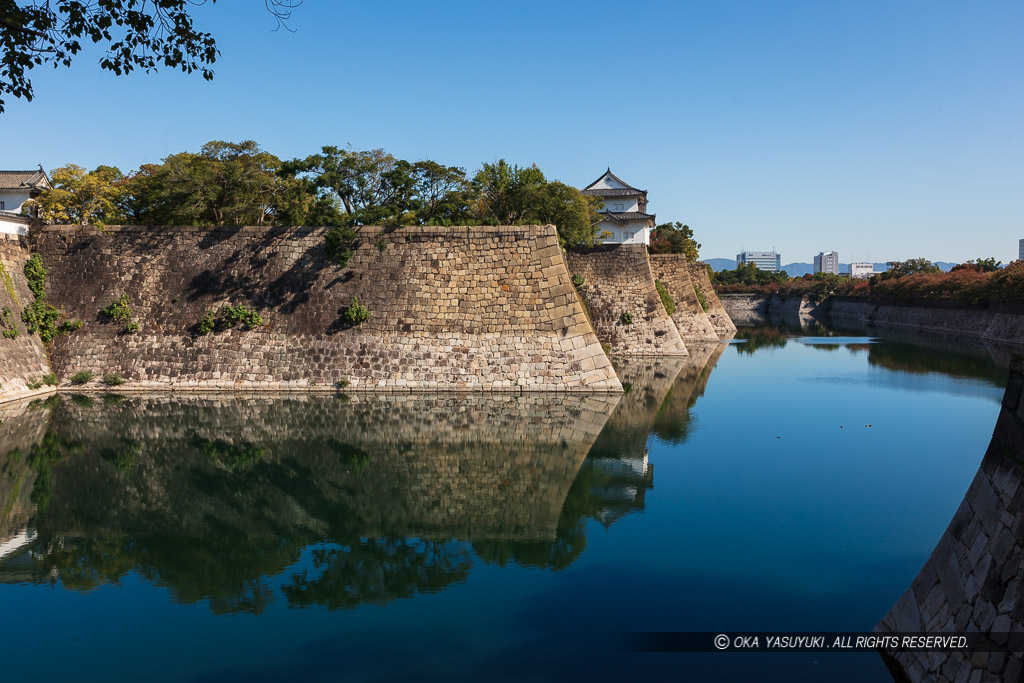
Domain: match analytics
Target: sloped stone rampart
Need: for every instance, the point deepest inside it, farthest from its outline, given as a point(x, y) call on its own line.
point(22, 359)
point(617, 279)
point(974, 580)
point(673, 271)
point(720, 320)
point(451, 308)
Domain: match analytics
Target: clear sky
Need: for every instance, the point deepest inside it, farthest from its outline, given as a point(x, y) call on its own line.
point(880, 129)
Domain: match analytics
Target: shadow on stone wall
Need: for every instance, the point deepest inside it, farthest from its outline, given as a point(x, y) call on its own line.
point(450, 308)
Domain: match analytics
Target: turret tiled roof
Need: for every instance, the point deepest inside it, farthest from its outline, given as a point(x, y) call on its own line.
point(626, 216)
point(19, 180)
point(626, 191)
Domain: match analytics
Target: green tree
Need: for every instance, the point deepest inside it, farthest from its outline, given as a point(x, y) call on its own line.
point(442, 194)
point(82, 198)
point(505, 193)
point(748, 274)
point(508, 195)
point(363, 187)
point(137, 35)
point(226, 183)
point(675, 238)
point(898, 269)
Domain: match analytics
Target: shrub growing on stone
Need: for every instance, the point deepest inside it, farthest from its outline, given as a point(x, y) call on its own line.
point(69, 326)
point(626, 318)
point(241, 315)
point(7, 322)
point(36, 274)
point(207, 323)
point(121, 311)
point(40, 317)
point(577, 280)
point(666, 299)
point(83, 377)
point(356, 313)
point(113, 379)
point(701, 298)
point(49, 378)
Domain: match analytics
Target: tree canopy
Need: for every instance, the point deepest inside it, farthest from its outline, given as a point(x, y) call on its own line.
point(748, 274)
point(136, 35)
point(239, 183)
point(675, 238)
point(898, 269)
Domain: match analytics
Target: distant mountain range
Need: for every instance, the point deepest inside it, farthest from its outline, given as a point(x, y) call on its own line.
point(798, 269)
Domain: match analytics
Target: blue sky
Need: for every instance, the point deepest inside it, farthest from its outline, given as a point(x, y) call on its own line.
point(883, 130)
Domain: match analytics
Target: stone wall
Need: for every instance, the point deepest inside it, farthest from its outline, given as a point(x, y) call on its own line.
point(673, 271)
point(1001, 322)
point(974, 580)
point(996, 321)
point(451, 308)
point(618, 280)
point(720, 320)
point(22, 359)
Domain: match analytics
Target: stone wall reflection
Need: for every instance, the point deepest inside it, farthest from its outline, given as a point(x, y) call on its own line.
point(324, 500)
point(210, 496)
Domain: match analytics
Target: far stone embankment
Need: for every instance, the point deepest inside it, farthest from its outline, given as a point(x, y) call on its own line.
point(450, 308)
point(1001, 322)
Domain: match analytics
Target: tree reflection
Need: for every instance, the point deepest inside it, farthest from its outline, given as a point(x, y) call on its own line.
point(320, 502)
point(377, 571)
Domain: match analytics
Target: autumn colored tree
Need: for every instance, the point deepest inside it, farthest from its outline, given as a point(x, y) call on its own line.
point(81, 197)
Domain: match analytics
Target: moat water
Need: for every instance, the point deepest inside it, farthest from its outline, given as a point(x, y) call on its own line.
point(786, 481)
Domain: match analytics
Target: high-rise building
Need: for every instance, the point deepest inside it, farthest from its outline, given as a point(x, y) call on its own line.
point(1020, 247)
point(862, 269)
point(764, 260)
point(827, 262)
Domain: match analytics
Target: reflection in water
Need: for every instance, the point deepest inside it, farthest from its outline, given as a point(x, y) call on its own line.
point(950, 354)
point(754, 338)
point(339, 501)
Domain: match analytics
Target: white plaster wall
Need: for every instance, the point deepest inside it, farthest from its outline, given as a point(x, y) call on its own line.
point(641, 233)
point(12, 227)
point(13, 199)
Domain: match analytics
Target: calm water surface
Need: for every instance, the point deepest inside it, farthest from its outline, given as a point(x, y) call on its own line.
point(785, 481)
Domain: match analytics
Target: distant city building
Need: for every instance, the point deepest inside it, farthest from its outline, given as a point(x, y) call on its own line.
point(764, 260)
point(17, 187)
point(624, 215)
point(862, 270)
point(826, 262)
point(1020, 248)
